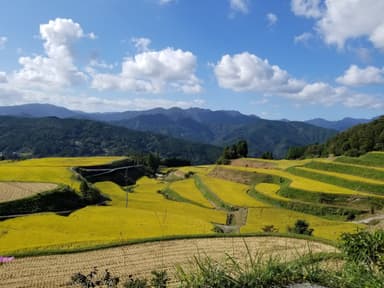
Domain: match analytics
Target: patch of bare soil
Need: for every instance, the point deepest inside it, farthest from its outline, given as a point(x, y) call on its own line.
point(238, 176)
point(141, 259)
point(10, 191)
point(252, 163)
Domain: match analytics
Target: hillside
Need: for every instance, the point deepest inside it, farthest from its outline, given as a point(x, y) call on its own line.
point(41, 137)
point(359, 139)
point(339, 125)
point(355, 141)
point(226, 127)
point(219, 128)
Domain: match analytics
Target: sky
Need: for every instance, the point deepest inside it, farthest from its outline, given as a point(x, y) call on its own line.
point(277, 59)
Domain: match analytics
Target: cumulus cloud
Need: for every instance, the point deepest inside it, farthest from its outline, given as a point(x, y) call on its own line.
point(241, 6)
point(3, 40)
point(57, 68)
point(153, 72)
point(340, 20)
point(355, 76)
point(272, 19)
point(306, 8)
point(246, 72)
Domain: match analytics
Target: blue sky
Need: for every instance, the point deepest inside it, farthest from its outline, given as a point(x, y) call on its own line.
point(293, 59)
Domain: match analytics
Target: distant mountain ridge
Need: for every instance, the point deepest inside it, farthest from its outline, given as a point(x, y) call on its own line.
point(52, 136)
point(218, 128)
point(339, 125)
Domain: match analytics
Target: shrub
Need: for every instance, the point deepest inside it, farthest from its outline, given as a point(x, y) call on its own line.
point(301, 227)
point(94, 280)
point(365, 248)
point(135, 283)
point(270, 229)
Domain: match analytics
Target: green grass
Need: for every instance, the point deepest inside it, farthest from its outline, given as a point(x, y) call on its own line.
point(338, 180)
point(369, 159)
point(347, 169)
point(269, 194)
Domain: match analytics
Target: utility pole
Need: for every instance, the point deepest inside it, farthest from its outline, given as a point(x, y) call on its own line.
point(126, 191)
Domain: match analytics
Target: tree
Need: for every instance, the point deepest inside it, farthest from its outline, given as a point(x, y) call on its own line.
point(242, 148)
point(267, 155)
point(153, 162)
point(301, 227)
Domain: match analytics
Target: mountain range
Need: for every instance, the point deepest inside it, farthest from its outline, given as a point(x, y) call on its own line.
point(217, 128)
point(52, 136)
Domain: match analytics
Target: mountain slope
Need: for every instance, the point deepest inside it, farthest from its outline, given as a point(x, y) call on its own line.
point(199, 125)
point(226, 127)
point(74, 137)
point(340, 125)
point(38, 110)
point(359, 139)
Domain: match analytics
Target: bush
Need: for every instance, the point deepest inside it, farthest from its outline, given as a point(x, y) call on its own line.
point(301, 227)
point(93, 279)
point(365, 248)
point(135, 283)
point(270, 229)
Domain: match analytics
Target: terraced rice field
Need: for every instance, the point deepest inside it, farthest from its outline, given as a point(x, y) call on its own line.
point(140, 259)
point(231, 192)
point(49, 170)
point(187, 189)
point(10, 191)
point(145, 213)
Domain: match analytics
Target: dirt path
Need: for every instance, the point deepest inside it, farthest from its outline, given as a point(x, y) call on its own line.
point(141, 259)
point(368, 220)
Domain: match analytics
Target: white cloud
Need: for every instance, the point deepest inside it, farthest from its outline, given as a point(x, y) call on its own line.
point(84, 102)
point(3, 77)
point(241, 6)
point(272, 19)
point(3, 41)
point(246, 72)
point(306, 8)
point(340, 20)
point(355, 76)
point(141, 44)
point(57, 68)
point(153, 72)
point(303, 38)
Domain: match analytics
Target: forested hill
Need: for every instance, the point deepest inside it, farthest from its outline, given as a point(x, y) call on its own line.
point(359, 139)
point(221, 128)
point(355, 141)
point(51, 136)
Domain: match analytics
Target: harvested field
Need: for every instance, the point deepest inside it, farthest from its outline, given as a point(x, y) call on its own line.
point(10, 191)
point(252, 163)
point(141, 259)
